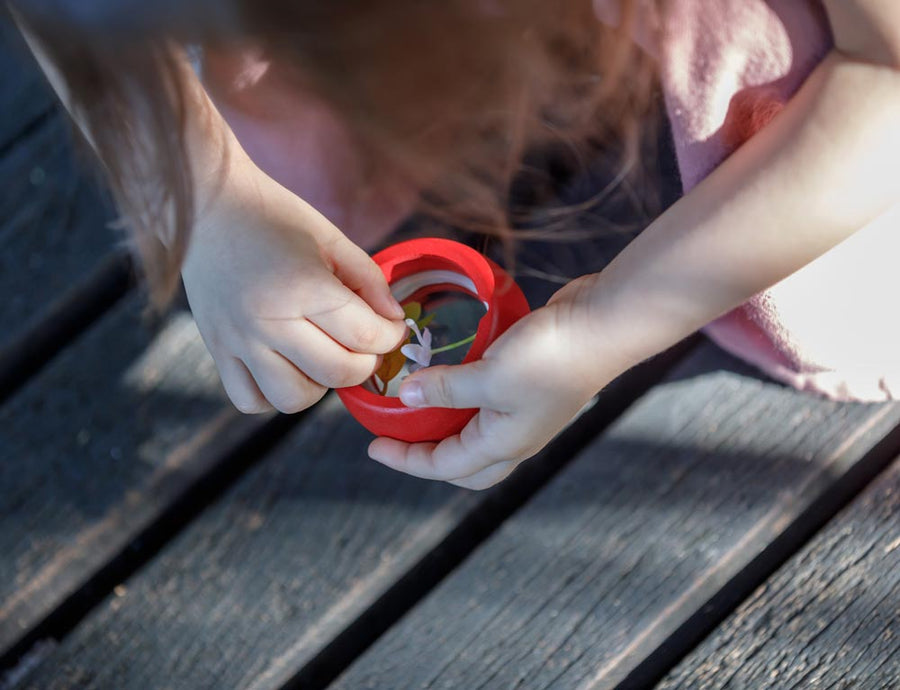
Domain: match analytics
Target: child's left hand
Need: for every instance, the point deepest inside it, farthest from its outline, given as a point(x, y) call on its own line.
point(530, 383)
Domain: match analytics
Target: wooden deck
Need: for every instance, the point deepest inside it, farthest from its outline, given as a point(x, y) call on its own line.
point(699, 527)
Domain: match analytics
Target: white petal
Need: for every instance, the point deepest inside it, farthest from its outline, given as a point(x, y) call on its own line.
point(414, 352)
point(415, 328)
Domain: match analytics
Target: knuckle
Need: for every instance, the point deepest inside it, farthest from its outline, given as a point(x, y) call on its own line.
point(441, 389)
point(348, 373)
point(366, 336)
point(284, 404)
point(352, 377)
point(331, 376)
point(296, 401)
point(342, 378)
point(489, 418)
point(371, 271)
point(289, 406)
point(492, 388)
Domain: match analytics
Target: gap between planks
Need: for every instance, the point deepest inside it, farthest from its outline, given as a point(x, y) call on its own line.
point(144, 545)
point(341, 631)
point(640, 585)
point(829, 616)
point(793, 538)
point(63, 321)
point(198, 446)
point(475, 527)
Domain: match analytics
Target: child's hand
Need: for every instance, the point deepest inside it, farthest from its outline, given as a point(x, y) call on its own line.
point(530, 383)
point(287, 305)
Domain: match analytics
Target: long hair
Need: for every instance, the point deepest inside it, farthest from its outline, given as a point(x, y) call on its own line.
point(453, 92)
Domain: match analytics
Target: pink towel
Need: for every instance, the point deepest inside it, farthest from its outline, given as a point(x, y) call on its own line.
point(727, 68)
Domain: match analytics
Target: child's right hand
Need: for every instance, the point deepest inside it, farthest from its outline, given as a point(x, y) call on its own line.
point(286, 304)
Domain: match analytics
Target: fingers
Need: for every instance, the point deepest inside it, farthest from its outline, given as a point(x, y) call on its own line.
point(424, 460)
point(462, 387)
point(321, 358)
point(479, 446)
point(240, 386)
point(283, 385)
point(487, 477)
point(345, 317)
point(355, 269)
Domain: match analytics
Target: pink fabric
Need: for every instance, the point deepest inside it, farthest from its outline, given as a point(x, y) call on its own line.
point(721, 59)
point(299, 141)
point(727, 68)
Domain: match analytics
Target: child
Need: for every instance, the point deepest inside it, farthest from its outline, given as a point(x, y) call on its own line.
point(439, 99)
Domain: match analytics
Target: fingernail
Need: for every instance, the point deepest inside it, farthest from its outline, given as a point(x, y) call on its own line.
point(412, 394)
point(397, 310)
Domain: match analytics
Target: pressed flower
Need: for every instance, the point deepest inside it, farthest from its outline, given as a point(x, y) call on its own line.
point(391, 365)
point(418, 354)
point(421, 353)
point(413, 310)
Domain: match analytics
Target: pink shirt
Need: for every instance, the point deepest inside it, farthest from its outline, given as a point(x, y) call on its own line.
point(723, 65)
point(726, 67)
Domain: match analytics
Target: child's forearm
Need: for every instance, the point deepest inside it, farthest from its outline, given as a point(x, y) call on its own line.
point(825, 167)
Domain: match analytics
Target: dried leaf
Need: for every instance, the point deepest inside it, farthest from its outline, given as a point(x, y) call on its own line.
point(393, 362)
point(413, 310)
point(391, 365)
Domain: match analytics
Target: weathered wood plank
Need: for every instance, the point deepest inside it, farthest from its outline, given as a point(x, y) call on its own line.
point(95, 449)
point(24, 96)
point(632, 539)
point(53, 225)
point(305, 542)
point(29, 348)
point(318, 544)
point(54, 239)
point(829, 619)
point(280, 578)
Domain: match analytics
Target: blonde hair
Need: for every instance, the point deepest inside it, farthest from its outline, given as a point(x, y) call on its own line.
point(454, 91)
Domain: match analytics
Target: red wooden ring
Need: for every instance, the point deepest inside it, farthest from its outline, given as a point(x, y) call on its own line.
point(505, 303)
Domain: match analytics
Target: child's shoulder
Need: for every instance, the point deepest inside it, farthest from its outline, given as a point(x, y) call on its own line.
point(665, 28)
point(720, 57)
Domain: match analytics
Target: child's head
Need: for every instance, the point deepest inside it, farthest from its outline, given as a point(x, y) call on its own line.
point(452, 91)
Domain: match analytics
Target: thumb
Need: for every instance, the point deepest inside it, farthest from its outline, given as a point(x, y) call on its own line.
point(462, 387)
point(355, 269)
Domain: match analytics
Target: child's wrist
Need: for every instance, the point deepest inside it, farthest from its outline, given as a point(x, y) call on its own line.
point(607, 336)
